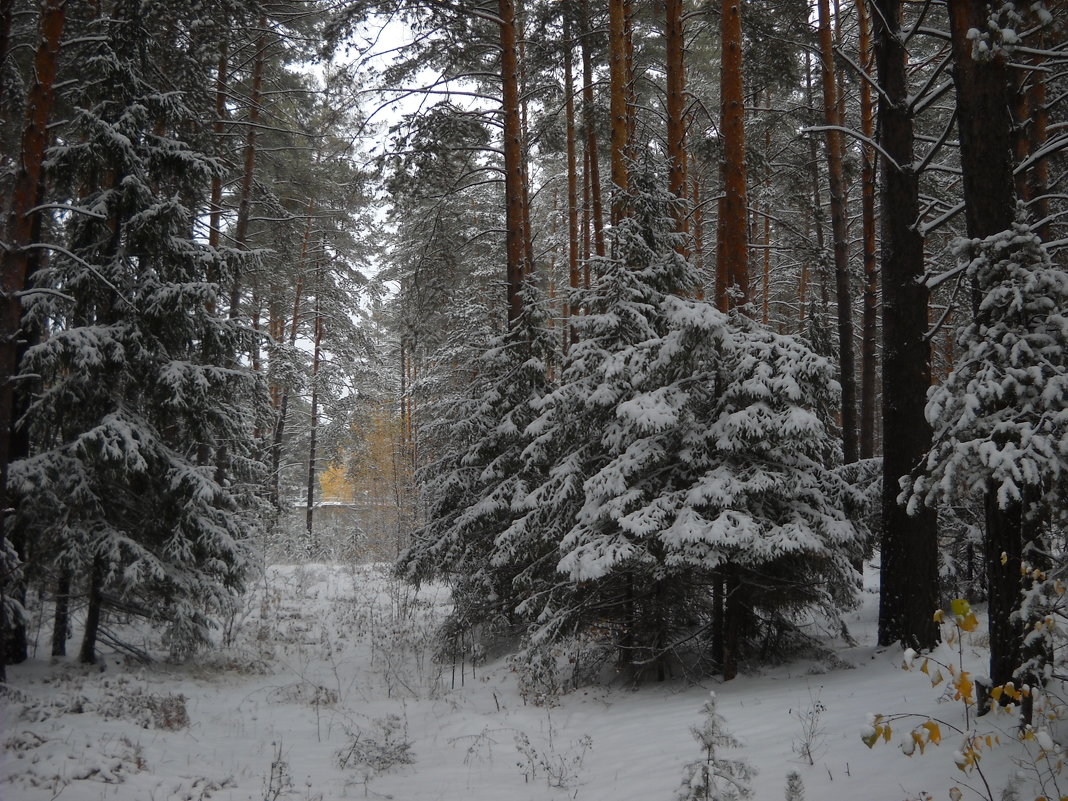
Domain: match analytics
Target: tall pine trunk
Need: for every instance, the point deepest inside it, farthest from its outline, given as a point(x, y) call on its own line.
point(19, 229)
point(675, 67)
point(244, 203)
point(732, 258)
point(984, 125)
point(313, 437)
point(570, 335)
point(513, 160)
point(617, 68)
point(732, 261)
point(592, 154)
point(840, 233)
point(869, 324)
point(909, 558)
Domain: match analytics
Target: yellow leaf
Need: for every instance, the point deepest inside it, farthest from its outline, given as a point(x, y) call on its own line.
point(1004, 558)
point(959, 607)
point(937, 678)
point(924, 668)
point(886, 734)
point(934, 734)
point(965, 687)
point(996, 693)
point(938, 615)
point(989, 741)
point(969, 623)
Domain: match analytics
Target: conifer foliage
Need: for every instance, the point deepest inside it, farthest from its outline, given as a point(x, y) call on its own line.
point(141, 476)
point(479, 479)
point(683, 443)
point(1001, 418)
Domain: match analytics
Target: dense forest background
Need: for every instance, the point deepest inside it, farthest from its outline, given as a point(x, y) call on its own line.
point(641, 325)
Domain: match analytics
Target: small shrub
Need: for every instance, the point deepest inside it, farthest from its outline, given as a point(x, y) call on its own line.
point(378, 748)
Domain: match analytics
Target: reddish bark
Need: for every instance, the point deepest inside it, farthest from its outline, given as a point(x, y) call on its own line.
point(840, 232)
point(40, 99)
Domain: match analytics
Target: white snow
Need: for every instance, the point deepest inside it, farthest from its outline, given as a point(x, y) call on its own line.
point(329, 691)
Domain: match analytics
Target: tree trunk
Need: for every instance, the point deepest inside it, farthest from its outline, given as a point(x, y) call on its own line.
point(732, 258)
point(840, 232)
point(675, 43)
point(570, 335)
point(984, 125)
point(592, 155)
point(909, 558)
point(617, 67)
point(244, 205)
point(19, 229)
point(316, 354)
point(87, 655)
point(217, 128)
point(513, 160)
point(869, 324)
point(278, 435)
point(61, 618)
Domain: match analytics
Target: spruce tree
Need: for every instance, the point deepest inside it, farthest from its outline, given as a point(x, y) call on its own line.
point(1001, 419)
point(479, 478)
point(682, 443)
point(141, 479)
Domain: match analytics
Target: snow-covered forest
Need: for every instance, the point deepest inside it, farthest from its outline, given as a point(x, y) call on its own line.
point(534, 399)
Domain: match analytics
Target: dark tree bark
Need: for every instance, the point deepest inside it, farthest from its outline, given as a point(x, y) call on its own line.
point(570, 334)
point(513, 160)
point(617, 66)
point(94, 611)
point(984, 125)
point(732, 263)
point(244, 203)
point(312, 444)
point(909, 559)
point(869, 323)
point(61, 618)
point(592, 154)
point(675, 66)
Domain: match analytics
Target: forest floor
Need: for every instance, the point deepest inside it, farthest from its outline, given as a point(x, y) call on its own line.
point(328, 690)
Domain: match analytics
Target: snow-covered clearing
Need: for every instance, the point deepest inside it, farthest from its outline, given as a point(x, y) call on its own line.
point(329, 691)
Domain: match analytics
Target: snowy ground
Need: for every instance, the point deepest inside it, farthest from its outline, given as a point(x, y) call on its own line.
point(330, 692)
